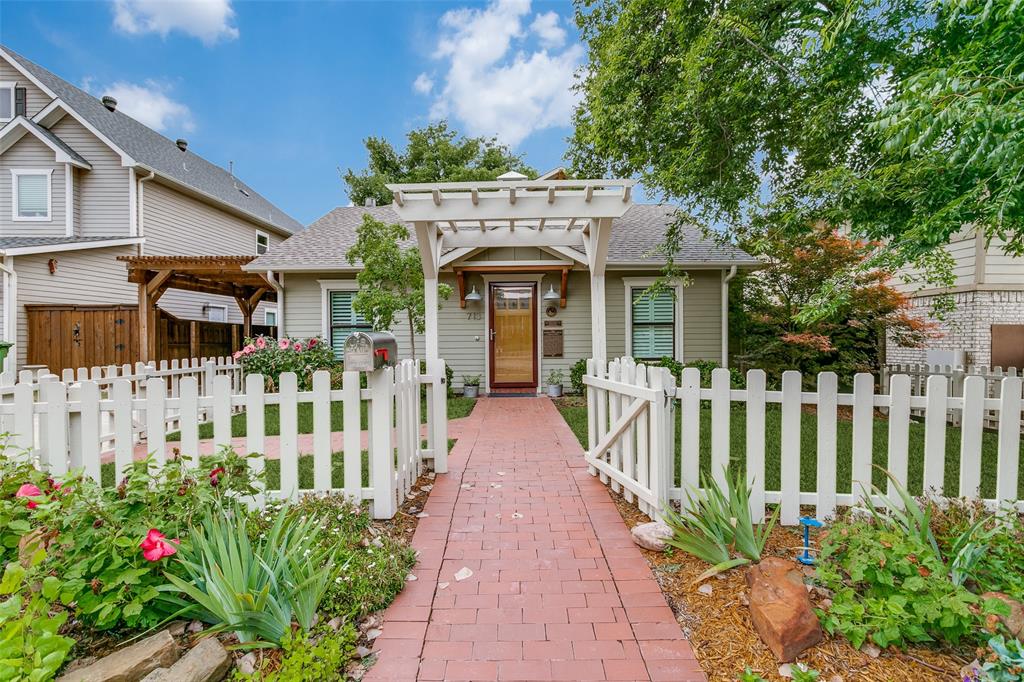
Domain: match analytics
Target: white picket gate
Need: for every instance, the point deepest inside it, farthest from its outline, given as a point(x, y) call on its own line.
point(60, 424)
point(633, 445)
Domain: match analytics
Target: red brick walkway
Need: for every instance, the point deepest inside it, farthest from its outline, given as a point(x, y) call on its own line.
point(558, 591)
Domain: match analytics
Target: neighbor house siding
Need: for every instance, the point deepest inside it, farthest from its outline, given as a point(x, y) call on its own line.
point(90, 277)
point(462, 332)
point(176, 224)
point(30, 153)
point(101, 202)
point(36, 99)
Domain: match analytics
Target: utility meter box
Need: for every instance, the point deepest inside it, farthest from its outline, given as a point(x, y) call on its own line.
point(369, 351)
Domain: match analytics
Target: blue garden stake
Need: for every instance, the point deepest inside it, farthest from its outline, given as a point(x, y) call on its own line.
point(807, 521)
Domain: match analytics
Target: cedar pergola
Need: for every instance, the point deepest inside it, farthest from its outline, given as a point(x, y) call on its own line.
point(221, 275)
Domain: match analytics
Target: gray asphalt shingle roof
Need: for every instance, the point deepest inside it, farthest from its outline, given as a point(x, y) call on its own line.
point(29, 242)
point(154, 151)
point(323, 245)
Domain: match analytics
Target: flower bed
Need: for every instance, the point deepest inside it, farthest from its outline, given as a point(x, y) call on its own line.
point(272, 357)
point(86, 567)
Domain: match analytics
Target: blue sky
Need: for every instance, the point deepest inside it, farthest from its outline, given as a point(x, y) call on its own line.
point(288, 90)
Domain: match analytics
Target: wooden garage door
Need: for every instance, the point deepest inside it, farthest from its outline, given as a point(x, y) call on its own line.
point(72, 336)
point(1008, 345)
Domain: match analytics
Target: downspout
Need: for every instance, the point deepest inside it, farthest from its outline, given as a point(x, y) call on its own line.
point(278, 285)
point(725, 315)
point(140, 226)
point(10, 277)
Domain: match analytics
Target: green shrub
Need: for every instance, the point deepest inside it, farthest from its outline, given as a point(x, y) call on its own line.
point(999, 564)
point(321, 654)
point(715, 526)
point(576, 372)
point(31, 647)
point(1005, 662)
point(255, 588)
point(736, 377)
point(272, 357)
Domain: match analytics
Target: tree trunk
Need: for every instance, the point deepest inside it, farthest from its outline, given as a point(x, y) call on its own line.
point(412, 335)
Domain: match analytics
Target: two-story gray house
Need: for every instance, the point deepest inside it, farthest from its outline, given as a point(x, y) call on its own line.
point(82, 184)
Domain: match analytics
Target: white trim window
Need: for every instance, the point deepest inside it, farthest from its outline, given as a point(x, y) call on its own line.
point(7, 101)
point(340, 318)
point(654, 327)
point(262, 243)
point(216, 312)
point(32, 193)
point(270, 317)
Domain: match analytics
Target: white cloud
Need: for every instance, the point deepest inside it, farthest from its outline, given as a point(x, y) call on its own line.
point(423, 84)
point(548, 29)
point(149, 103)
point(497, 82)
point(208, 20)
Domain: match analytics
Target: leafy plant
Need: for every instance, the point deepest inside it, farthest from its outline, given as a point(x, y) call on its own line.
point(576, 373)
point(321, 654)
point(555, 377)
point(716, 525)
point(802, 673)
point(252, 588)
point(471, 379)
point(1005, 663)
point(994, 563)
point(749, 675)
point(272, 357)
point(31, 647)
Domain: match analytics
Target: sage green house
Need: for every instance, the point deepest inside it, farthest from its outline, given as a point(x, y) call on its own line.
point(525, 305)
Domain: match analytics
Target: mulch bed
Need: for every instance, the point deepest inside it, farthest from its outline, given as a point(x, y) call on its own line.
point(719, 628)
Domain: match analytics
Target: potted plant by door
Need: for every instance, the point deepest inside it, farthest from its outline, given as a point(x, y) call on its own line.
point(555, 378)
point(471, 385)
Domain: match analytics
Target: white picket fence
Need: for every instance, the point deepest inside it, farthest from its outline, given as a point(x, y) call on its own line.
point(59, 423)
point(632, 434)
point(956, 374)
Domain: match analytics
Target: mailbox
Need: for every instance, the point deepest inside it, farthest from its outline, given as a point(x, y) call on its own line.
point(369, 351)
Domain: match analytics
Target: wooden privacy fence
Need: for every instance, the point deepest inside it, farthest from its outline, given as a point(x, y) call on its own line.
point(956, 374)
point(634, 443)
point(59, 423)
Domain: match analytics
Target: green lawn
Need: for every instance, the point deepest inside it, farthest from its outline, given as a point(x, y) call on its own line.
point(273, 471)
point(457, 407)
point(576, 417)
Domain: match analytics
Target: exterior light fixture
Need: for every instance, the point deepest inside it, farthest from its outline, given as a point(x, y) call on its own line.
point(551, 294)
point(473, 295)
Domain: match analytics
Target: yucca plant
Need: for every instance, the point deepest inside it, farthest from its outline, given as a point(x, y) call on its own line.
point(254, 589)
point(715, 526)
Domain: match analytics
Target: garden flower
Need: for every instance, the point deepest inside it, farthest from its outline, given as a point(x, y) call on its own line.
point(297, 347)
point(156, 546)
point(283, 344)
point(237, 354)
point(249, 349)
point(261, 343)
point(29, 490)
point(215, 475)
point(311, 343)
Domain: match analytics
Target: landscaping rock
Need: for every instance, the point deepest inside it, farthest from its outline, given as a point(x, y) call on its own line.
point(156, 676)
point(780, 608)
point(1013, 622)
point(247, 664)
point(207, 661)
point(131, 663)
point(651, 535)
point(869, 649)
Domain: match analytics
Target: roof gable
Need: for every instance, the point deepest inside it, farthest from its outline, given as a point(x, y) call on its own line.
point(20, 126)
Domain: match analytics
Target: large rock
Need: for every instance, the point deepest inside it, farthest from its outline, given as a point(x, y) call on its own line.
point(131, 663)
point(780, 608)
point(207, 661)
point(651, 535)
point(1013, 622)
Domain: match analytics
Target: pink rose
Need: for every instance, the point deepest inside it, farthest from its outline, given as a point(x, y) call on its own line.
point(261, 343)
point(237, 354)
point(312, 342)
point(215, 476)
point(249, 349)
point(283, 344)
point(297, 347)
point(156, 546)
point(29, 490)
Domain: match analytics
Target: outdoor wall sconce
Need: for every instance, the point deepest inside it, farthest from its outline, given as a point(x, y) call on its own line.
point(551, 294)
point(473, 296)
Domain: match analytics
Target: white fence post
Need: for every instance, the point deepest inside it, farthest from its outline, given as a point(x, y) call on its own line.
point(899, 431)
point(55, 457)
point(288, 439)
point(790, 451)
point(352, 430)
point(255, 419)
point(592, 435)
point(828, 389)
point(438, 394)
point(662, 447)
point(689, 455)
point(322, 431)
point(935, 434)
point(720, 436)
point(1009, 439)
point(382, 454)
point(756, 381)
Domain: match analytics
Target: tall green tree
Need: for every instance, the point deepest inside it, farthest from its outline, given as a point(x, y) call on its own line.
point(901, 119)
point(391, 279)
point(434, 153)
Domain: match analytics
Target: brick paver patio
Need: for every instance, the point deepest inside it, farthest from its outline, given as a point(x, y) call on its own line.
point(558, 592)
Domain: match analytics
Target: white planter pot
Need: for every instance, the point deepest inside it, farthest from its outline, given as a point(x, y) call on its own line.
point(555, 390)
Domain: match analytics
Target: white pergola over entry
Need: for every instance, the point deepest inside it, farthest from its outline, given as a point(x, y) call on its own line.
point(555, 214)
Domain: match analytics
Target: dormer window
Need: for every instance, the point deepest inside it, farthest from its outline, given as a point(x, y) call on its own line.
point(6, 102)
point(262, 243)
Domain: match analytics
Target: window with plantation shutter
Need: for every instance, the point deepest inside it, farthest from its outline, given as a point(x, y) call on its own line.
point(31, 194)
point(653, 325)
point(344, 320)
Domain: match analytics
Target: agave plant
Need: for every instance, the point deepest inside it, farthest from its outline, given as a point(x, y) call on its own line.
point(913, 519)
point(255, 589)
point(716, 526)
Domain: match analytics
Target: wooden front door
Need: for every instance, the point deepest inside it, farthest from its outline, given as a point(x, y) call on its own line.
point(513, 335)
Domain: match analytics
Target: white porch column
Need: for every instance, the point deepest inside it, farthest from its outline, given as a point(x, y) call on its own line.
point(430, 316)
point(598, 328)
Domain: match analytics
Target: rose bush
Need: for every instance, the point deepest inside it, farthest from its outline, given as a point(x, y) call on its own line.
point(271, 357)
